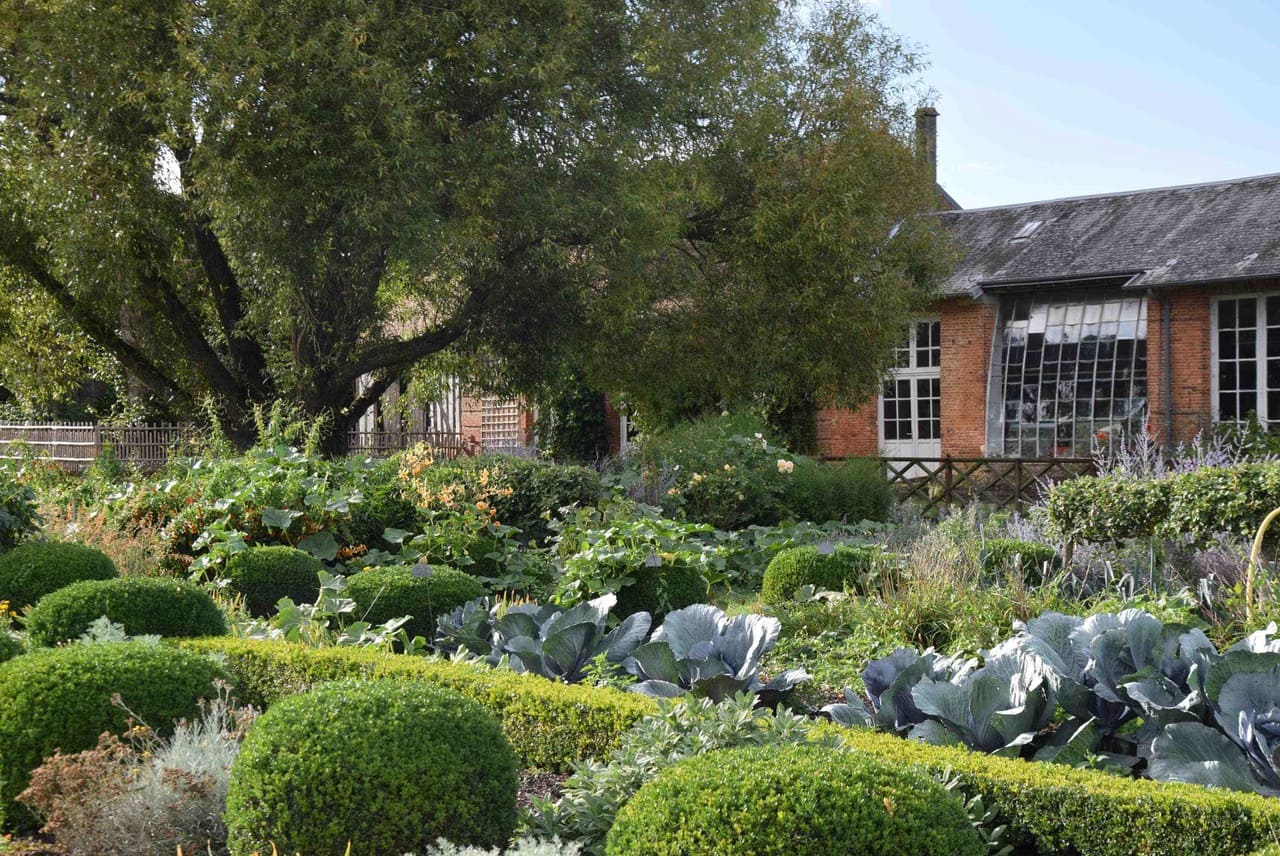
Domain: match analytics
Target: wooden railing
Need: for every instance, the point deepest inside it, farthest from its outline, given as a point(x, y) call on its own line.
point(74, 446)
point(1004, 482)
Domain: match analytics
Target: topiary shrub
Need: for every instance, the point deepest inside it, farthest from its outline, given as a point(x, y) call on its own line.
point(60, 698)
point(382, 594)
point(264, 575)
point(792, 800)
point(1031, 558)
point(30, 571)
point(143, 605)
point(660, 590)
point(391, 765)
point(853, 567)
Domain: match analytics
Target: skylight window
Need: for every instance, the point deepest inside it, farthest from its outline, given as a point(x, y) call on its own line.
point(1028, 229)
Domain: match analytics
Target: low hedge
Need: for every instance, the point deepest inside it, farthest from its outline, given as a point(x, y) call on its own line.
point(803, 800)
point(1199, 504)
point(1063, 809)
point(32, 570)
point(143, 605)
point(843, 567)
point(660, 590)
point(550, 725)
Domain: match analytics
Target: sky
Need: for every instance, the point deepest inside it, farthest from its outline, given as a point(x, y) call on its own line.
point(1042, 99)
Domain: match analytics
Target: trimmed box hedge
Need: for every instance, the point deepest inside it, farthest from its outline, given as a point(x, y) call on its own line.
point(550, 725)
point(1063, 809)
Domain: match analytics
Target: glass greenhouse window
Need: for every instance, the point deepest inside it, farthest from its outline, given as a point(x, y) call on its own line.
point(1069, 372)
point(1247, 376)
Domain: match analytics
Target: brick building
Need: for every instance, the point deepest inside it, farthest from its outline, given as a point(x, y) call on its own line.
point(1071, 322)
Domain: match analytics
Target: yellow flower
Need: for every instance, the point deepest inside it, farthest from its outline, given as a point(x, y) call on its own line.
point(785, 466)
point(728, 469)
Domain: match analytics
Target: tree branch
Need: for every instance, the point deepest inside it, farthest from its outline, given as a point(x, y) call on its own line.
point(247, 359)
point(106, 335)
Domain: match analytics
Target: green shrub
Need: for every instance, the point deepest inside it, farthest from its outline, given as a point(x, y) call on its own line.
point(264, 575)
point(383, 594)
point(520, 490)
point(843, 567)
point(389, 765)
point(681, 729)
point(1269, 850)
point(10, 646)
point(30, 571)
point(1005, 554)
point(60, 698)
point(725, 472)
point(143, 605)
point(18, 517)
point(1197, 505)
point(1060, 809)
point(550, 725)
point(386, 504)
point(853, 490)
point(1107, 508)
point(660, 590)
point(792, 800)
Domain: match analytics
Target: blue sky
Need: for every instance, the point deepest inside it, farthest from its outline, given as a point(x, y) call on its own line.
point(1052, 98)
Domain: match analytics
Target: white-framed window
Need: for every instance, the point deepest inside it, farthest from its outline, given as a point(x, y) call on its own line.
point(911, 396)
point(1245, 351)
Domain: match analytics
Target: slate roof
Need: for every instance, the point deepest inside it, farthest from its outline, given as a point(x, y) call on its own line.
point(1226, 230)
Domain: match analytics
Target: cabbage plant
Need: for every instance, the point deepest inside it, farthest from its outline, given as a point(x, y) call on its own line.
point(701, 650)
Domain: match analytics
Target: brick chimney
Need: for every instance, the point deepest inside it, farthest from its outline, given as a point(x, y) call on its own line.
point(927, 139)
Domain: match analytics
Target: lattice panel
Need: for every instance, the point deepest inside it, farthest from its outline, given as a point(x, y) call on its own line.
point(500, 423)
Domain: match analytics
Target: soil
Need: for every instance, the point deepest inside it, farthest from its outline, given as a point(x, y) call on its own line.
point(548, 786)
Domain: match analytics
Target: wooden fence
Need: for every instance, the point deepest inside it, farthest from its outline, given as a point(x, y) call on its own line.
point(74, 446)
point(1004, 482)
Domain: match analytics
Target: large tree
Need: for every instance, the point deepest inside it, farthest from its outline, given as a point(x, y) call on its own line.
point(246, 201)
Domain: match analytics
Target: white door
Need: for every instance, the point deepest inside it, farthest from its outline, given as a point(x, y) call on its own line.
point(910, 415)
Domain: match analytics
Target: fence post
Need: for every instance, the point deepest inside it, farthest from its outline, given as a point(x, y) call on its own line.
point(1017, 485)
point(948, 480)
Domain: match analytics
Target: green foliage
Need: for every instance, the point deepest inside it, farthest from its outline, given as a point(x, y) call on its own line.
point(386, 505)
point(30, 571)
point(1029, 558)
point(623, 546)
point(679, 730)
point(1197, 505)
point(383, 594)
point(851, 490)
point(792, 800)
point(143, 605)
point(264, 575)
point(659, 590)
point(571, 422)
point(10, 646)
point(392, 765)
point(18, 518)
point(550, 725)
point(520, 491)
point(726, 474)
point(1057, 808)
point(841, 568)
point(61, 698)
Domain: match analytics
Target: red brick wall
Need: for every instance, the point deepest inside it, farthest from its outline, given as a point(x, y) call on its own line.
point(1191, 313)
point(847, 434)
point(967, 327)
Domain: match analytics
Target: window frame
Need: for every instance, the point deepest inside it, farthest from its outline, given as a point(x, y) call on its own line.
point(1261, 411)
point(913, 372)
